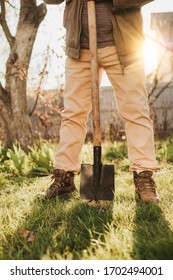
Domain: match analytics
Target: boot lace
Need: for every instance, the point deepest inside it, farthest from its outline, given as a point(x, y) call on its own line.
point(146, 184)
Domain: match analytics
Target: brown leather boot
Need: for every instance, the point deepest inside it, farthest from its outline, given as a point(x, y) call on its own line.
point(145, 186)
point(63, 183)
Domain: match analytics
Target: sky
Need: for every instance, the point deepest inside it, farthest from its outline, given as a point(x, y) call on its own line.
point(156, 6)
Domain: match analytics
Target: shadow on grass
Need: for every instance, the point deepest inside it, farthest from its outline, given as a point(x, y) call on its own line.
point(63, 229)
point(153, 238)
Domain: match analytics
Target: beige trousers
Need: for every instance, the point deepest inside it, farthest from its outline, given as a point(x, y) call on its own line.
point(132, 101)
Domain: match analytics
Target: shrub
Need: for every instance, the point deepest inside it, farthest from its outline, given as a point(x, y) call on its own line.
point(42, 159)
point(16, 159)
point(164, 150)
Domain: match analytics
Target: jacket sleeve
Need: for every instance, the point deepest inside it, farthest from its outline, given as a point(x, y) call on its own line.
point(125, 5)
point(53, 2)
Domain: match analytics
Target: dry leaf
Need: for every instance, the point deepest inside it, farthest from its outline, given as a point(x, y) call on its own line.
point(27, 234)
point(31, 237)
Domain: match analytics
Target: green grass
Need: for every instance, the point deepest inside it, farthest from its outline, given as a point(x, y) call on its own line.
point(71, 229)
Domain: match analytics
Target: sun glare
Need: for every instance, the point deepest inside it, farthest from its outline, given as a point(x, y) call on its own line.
point(150, 55)
point(150, 58)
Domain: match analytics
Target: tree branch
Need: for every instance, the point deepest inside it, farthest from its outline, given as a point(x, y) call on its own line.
point(155, 79)
point(160, 43)
point(160, 92)
point(41, 11)
point(4, 25)
point(27, 3)
point(31, 13)
point(10, 4)
point(42, 75)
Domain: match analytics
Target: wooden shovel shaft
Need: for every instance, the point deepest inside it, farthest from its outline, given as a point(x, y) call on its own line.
point(94, 73)
point(97, 180)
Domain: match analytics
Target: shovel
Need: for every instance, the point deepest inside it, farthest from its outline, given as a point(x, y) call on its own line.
point(97, 180)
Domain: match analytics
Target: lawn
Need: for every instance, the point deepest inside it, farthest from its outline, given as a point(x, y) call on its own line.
point(127, 229)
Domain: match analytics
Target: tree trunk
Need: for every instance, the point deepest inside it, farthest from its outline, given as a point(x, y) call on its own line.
point(15, 115)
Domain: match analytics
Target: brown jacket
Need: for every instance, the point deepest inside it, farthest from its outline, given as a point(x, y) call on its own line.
point(127, 31)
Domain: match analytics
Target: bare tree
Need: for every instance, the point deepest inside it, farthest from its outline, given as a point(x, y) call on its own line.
point(159, 82)
point(13, 101)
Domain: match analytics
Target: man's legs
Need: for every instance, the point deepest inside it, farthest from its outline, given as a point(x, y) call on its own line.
point(132, 101)
point(77, 105)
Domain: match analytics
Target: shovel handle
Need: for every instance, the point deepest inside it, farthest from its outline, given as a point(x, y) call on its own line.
point(94, 73)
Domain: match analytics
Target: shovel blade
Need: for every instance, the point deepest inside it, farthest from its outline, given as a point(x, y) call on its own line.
point(106, 188)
